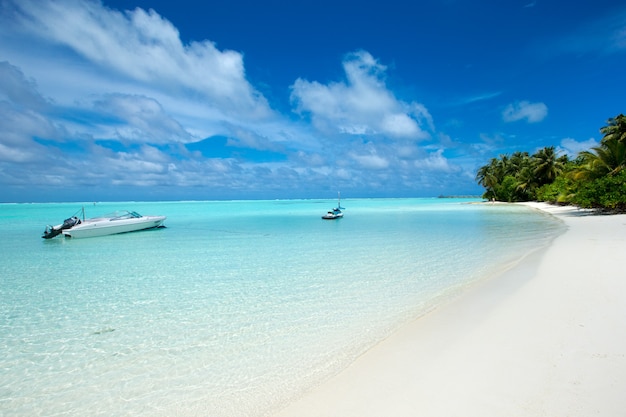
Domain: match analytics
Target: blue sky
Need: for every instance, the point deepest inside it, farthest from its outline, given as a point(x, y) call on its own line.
point(161, 100)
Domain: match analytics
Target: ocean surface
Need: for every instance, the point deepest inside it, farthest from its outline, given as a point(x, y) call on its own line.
point(236, 307)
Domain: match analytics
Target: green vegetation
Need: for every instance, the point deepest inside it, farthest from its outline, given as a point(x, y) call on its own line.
point(595, 179)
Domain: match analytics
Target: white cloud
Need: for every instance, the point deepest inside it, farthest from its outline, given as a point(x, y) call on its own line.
point(20, 105)
point(13, 154)
point(399, 124)
point(478, 98)
point(571, 147)
point(108, 93)
point(525, 110)
point(140, 46)
point(249, 139)
point(14, 87)
point(435, 161)
point(362, 105)
point(371, 161)
point(20, 126)
point(140, 119)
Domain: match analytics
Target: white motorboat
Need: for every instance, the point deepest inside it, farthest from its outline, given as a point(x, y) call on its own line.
point(122, 221)
point(335, 213)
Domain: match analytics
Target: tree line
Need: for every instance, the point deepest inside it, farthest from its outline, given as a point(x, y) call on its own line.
point(594, 179)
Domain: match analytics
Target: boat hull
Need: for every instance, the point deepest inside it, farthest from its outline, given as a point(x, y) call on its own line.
point(106, 227)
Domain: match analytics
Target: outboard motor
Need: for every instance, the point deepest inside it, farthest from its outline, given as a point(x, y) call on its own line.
point(52, 231)
point(71, 222)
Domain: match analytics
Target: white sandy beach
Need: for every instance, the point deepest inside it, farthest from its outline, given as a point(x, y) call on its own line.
point(546, 338)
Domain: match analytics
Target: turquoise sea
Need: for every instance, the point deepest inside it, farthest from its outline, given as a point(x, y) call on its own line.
point(235, 307)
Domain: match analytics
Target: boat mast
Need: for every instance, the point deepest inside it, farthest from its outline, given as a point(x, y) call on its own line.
point(339, 200)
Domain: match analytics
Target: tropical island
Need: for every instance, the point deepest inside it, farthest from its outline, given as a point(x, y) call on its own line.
point(594, 179)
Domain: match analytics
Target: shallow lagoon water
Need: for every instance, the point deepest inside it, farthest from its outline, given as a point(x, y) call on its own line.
point(235, 307)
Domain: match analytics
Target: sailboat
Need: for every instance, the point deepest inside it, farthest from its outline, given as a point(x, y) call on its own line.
point(336, 212)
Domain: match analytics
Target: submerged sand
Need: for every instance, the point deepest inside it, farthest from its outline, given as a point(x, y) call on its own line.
point(546, 338)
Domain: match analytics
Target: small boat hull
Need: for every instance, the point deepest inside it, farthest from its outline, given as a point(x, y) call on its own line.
point(332, 216)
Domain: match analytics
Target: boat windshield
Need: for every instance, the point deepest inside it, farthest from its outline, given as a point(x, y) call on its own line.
point(124, 214)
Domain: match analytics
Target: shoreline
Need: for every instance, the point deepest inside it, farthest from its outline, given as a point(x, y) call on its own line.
point(543, 338)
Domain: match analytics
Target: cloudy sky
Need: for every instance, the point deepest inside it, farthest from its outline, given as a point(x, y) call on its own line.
point(242, 99)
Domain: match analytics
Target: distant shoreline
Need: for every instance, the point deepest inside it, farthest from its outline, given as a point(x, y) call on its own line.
point(460, 196)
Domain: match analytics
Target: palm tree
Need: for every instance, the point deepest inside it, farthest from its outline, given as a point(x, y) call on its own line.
point(488, 176)
point(615, 130)
point(608, 159)
point(504, 166)
point(526, 183)
point(518, 161)
point(547, 165)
